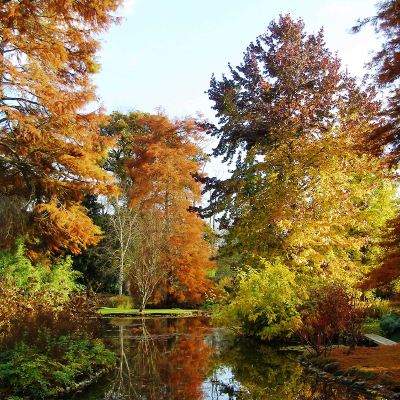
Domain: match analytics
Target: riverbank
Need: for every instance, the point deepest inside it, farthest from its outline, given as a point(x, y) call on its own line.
point(373, 369)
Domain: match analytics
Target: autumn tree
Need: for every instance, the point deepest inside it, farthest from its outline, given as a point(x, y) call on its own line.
point(299, 191)
point(384, 139)
point(50, 150)
point(158, 157)
point(286, 87)
point(386, 69)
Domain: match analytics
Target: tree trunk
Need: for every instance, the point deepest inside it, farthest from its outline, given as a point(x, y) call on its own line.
point(121, 280)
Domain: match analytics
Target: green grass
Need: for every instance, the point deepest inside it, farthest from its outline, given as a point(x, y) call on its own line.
point(107, 311)
point(372, 327)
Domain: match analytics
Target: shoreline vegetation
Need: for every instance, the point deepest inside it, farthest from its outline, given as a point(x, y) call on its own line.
point(369, 369)
point(49, 340)
point(38, 371)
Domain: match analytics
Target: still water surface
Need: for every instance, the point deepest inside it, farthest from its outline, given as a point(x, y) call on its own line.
point(187, 359)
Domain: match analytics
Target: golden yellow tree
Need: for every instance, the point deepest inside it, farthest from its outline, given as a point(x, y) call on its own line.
point(315, 205)
point(300, 190)
point(50, 150)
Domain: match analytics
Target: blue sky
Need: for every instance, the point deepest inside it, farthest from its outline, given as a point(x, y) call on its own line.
point(165, 51)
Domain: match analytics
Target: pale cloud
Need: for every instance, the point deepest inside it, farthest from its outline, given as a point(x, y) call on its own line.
point(134, 61)
point(128, 6)
point(344, 9)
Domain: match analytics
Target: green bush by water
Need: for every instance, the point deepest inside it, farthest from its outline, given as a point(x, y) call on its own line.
point(17, 269)
point(47, 339)
point(50, 364)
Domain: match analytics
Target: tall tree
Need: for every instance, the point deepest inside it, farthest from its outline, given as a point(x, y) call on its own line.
point(158, 157)
point(299, 190)
point(286, 87)
point(50, 150)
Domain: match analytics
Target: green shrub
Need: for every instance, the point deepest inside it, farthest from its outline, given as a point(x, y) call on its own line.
point(16, 269)
point(390, 325)
point(47, 339)
point(122, 301)
point(50, 364)
point(263, 303)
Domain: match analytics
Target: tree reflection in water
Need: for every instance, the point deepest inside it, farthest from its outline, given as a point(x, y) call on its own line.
point(250, 370)
point(185, 359)
point(161, 359)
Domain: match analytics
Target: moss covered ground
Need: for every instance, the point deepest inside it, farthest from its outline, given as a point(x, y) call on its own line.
point(378, 364)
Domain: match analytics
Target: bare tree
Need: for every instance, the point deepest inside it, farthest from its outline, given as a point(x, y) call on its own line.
point(148, 266)
point(123, 222)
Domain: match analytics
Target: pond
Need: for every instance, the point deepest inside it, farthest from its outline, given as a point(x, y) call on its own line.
point(187, 359)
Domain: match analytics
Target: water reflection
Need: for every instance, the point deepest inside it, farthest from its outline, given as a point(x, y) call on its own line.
point(244, 370)
point(256, 370)
point(186, 359)
point(161, 359)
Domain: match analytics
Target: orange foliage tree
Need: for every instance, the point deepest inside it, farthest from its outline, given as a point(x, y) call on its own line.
point(159, 157)
point(175, 367)
point(50, 151)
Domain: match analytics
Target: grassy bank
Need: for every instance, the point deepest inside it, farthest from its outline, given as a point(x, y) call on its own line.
point(372, 326)
point(135, 311)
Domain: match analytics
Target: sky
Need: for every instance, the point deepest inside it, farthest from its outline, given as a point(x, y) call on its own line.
point(164, 52)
